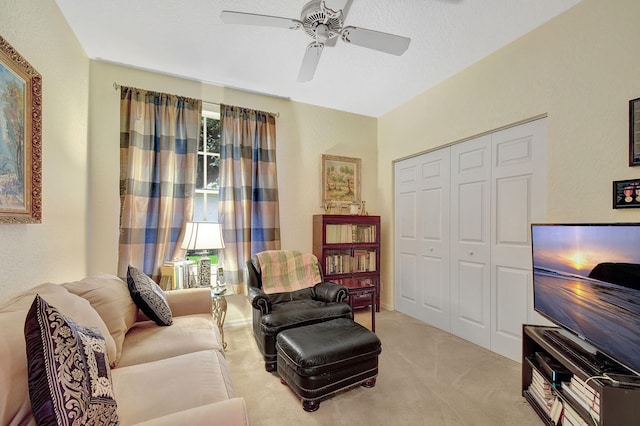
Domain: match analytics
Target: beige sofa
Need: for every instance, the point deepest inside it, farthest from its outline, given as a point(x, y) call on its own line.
point(173, 375)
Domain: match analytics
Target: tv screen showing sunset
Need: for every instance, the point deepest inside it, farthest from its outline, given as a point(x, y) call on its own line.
point(586, 278)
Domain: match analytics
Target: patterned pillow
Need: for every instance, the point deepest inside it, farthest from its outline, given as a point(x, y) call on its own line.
point(68, 370)
point(149, 297)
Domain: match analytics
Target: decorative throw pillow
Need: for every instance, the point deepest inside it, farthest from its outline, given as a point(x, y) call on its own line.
point(68, 370)
point(149, 297)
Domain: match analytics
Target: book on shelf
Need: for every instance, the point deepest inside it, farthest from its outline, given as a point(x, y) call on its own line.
point(344, 263)
point(181, 273)
point(556, 410)
point(338, 264)
point(364, 260)
point(540, 389)
point(541, 401)
point(570, 417)
point(345, 233)
point(585, 390)
point(570, 392)
point(337, 233)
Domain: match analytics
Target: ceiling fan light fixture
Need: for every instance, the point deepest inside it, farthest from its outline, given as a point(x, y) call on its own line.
point(322, 33)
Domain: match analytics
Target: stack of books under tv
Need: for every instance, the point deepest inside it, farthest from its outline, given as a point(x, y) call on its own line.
point(552, 385)
point(542, 392)
point(584, 395)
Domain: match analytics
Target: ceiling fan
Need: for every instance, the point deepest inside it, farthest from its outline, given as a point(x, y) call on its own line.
point(325, 26)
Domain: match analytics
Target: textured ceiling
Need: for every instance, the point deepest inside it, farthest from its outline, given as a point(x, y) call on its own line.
point(187, 38)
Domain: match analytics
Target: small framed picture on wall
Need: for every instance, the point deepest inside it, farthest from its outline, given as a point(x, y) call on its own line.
point(340, 180)
point(626, 194)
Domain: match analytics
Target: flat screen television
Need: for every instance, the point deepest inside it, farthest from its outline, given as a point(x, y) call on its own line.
point(586, 279)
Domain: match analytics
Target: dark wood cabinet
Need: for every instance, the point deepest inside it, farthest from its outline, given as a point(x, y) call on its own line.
point(348, 246)
point(573, 384)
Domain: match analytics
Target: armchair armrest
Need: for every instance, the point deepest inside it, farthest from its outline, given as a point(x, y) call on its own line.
point(331, 292)
point(259, 300)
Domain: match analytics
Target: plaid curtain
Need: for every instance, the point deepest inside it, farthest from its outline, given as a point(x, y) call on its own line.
point(158, 145)
point(248, 207)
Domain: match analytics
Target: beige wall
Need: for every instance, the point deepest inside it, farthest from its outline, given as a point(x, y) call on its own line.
point(580, 69)
point(56, 249)
point(304, 132)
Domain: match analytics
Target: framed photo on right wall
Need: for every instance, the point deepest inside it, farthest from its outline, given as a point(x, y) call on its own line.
point(626, 194)
point(634, 132)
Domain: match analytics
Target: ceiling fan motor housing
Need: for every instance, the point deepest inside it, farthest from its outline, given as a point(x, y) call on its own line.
point(318, 20)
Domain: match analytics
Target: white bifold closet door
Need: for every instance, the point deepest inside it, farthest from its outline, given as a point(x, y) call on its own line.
point(462, 235)
point(470, 289)
point(422, 192)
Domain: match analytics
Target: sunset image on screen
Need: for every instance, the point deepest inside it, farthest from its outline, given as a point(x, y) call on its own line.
point(577, 250)
point(586, 278)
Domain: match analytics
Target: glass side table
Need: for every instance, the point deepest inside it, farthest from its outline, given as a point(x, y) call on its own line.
point(219, 307)
point(219, 295)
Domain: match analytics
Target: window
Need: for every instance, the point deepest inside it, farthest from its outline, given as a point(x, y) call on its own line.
point(208, 173)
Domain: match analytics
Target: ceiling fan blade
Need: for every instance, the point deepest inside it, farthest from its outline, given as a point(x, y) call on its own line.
point(338, 5)
point(230, 17)
point(345, 9)
point(310, 61)
point(384, 42)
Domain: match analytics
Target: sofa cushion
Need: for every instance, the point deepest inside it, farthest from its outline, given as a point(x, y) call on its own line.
point(15, 406)
point(149, 297)
point(68, 370)
point(170, 385)
point(147, 342)
point(110, 297)
point(232, 412)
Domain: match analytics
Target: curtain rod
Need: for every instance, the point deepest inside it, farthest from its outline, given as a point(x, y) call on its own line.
point(117, 86)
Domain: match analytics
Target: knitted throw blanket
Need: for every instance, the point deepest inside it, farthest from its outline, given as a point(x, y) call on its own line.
point(288, 270)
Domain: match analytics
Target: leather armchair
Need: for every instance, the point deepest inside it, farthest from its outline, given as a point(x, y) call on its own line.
point(273, 313)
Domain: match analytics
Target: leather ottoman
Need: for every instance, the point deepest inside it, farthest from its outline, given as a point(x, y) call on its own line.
point(318, 360)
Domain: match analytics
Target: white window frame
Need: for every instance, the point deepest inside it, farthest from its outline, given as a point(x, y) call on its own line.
point(207, 192)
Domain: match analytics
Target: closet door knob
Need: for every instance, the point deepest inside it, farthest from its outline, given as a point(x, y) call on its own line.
point(470, 253)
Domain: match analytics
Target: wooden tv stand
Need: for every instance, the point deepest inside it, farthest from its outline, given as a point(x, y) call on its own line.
point(610, 405)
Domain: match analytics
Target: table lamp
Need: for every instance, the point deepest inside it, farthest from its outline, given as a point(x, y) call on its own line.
point(203, 236)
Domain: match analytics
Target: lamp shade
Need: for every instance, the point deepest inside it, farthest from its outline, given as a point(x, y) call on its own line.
point(203, 236)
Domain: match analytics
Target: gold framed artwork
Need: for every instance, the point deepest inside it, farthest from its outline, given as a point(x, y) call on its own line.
point(20, 138)
point(340, 180)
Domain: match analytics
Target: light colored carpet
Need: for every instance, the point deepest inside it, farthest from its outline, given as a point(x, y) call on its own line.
point(426, 377)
